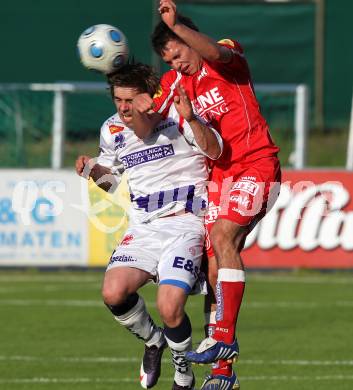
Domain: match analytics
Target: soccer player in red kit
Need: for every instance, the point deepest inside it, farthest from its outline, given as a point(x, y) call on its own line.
point(244, 181)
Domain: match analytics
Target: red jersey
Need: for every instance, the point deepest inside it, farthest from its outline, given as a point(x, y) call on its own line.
point(224, 96)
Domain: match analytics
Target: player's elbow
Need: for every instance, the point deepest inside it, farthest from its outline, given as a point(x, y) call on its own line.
point(215, 153)
point(215, 147)
point(220, 53)
point(214, 54)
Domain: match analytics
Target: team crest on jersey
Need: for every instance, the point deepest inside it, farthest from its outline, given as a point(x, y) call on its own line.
point(119, 141)
point(115, 129)
point(158, 92)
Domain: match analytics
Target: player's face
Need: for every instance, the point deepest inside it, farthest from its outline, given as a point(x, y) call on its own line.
point(181, 57)
point(123, 97)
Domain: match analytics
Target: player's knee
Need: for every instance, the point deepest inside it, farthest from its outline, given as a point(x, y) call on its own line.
point(114, 295)
point(171, 312)
point(218, 238)
point(226, 234)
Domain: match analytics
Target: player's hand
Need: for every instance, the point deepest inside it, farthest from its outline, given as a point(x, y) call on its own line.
point(167, 9)
point(80, 164)
point(143, 103)
point(183, 104)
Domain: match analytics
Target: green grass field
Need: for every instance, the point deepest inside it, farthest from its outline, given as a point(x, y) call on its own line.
point(295, 332)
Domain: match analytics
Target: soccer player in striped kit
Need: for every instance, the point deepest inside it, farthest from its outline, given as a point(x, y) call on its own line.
point(166, 174)
point(246, 179)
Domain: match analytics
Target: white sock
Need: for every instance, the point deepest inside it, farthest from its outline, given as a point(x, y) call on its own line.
point(138, 321)
point(183, 372)
point(210, 322)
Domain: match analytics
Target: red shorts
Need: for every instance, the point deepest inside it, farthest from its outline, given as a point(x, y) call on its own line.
point(243, 195)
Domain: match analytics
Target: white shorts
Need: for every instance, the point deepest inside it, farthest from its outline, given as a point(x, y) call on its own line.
point(168, 248)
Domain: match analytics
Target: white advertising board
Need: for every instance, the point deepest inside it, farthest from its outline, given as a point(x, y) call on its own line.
point(40, 223)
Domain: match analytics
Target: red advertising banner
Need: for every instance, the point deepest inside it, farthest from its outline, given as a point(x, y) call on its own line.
point(310, 225)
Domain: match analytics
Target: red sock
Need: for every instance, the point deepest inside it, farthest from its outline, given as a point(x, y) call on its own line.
point(222, 367)
point(229, 294)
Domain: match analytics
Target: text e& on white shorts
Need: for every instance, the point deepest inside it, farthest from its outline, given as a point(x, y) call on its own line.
point(169, 248)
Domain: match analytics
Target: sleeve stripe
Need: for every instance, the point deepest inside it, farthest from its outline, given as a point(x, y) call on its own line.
point(171, 93)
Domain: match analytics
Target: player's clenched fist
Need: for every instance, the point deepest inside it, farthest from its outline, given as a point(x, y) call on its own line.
point(167, 9)
point(142, 103)
point(80, 164)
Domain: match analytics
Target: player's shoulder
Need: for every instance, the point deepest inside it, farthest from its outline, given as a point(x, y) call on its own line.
point(163, 97)
point(170, 121)
point(170, 77)
point(232, 44)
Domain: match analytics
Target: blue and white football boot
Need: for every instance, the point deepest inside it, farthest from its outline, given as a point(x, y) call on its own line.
point(211, 350)
point(221, 382)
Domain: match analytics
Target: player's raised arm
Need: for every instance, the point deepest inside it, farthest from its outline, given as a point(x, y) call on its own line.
point(209, 49)
point(144, 118)
point(206, 138)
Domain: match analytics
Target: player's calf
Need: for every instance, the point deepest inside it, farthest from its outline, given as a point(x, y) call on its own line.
point(179, 341)
point(132, 314)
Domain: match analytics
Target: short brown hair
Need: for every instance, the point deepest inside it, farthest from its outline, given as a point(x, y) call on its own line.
point(134, 75)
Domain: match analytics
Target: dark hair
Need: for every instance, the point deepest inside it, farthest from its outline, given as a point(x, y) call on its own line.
point(134, 75)
point(162, 34)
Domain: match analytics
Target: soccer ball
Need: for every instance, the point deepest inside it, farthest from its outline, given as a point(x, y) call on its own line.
point(103, 48)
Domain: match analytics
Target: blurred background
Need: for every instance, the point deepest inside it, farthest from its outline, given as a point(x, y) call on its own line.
point(296, 319)
point(51, 110)
point(287, 44)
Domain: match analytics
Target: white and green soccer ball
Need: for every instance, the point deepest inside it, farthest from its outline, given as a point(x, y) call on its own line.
point(103, 48)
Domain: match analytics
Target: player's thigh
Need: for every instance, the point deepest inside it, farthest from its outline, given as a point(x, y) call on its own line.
point(225, 235)
point(119, 282)
point(139, 249)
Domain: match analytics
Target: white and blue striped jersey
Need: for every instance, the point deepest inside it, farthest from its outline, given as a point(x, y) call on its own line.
point(166, 173)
